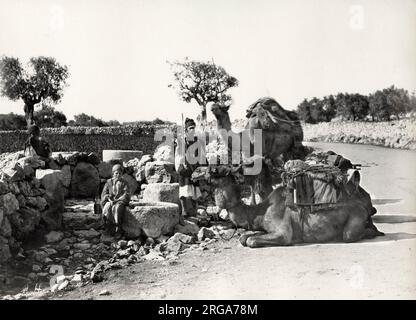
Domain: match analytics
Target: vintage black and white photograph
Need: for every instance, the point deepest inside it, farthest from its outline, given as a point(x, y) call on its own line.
point(207, 150)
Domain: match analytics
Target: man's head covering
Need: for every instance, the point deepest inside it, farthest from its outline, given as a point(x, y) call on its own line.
point(33, 130)
point(189, 123)
point(117, 167)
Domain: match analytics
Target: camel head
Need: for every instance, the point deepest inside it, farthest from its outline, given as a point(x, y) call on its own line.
point(220, 111)
point(225, 179)
point(359, 194)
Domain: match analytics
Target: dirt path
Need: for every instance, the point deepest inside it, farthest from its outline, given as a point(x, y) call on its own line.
point(381, 268)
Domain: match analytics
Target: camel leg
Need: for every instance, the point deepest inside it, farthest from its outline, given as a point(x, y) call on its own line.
point(243, 238)
point(355, 229)
point(268, 240)
point(252, 196)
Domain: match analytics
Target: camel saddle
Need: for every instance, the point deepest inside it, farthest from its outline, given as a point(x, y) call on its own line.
point(317, 186)
point(267, 114)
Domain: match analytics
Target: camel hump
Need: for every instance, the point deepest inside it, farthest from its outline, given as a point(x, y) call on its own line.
point(266, 113)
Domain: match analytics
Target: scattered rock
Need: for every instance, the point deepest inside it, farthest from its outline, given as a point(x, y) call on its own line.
point(205, 233)
point(81, 220)
point(160, 171)
point(104, 293)
point(54, 236)
point(190, 228)
point(87, 234)
point(164, 152)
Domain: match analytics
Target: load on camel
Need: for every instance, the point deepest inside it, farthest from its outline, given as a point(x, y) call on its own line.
point(282, 137)
point(315, 203)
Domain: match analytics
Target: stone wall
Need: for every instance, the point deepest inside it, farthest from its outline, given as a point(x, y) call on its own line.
point(88, 139)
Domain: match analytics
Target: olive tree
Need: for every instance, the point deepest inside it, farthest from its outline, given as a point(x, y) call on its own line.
point(203, 82)
point(43, 78)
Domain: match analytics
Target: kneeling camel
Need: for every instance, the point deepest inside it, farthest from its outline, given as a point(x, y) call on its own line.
point(273, 223)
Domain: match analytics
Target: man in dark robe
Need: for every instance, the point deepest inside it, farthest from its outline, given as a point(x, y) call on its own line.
point(189, 191)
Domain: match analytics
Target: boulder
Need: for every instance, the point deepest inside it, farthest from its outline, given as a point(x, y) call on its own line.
point(145, 159)
point(51, 180)
point(140, 174)
point(24, 222)
point(153, 219)
point(104, 170)
point(189, 228)
point(4, 187)
point(24, 188)
point(162, 192)
point(13, 172)
point(72, 158)
point(123, 155)
point(164, 152)
point(32, 161)
point(8, 203)
point(85, 181)
point(36, 202)
point(93, 158)
point(133, 185)
point(66, 175)
point(160, 171)
point(54, 236)
point(29, 172)
point(5, 254)
point(5, 228)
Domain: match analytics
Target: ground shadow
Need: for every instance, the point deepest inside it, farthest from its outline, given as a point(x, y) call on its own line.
point(393, 218)
point(385, 201)
point(392, 237)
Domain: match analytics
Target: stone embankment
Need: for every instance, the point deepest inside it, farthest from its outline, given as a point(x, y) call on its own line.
point(399, 134)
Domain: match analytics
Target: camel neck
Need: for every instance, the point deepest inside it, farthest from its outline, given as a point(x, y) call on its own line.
point(224, 122)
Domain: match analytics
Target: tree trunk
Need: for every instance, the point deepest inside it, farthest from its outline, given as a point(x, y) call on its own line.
point(29, 108)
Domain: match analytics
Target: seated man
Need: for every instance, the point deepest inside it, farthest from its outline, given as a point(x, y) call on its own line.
point(114, 199)
point(36, 145)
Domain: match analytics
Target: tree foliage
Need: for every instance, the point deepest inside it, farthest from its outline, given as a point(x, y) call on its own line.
point(203, 82)
point(352, 106)
point(317, 110)
point(42, 78)
point(85, 120)
point(48, 117)
point(12, 121)
point(380, 106)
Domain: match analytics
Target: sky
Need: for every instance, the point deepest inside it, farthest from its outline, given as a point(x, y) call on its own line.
point(117, 51)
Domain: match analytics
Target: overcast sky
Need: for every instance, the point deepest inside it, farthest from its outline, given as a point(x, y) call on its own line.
point(117, 50)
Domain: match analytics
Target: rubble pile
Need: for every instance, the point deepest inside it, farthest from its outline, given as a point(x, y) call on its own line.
point(81, 253)
point(51, 239)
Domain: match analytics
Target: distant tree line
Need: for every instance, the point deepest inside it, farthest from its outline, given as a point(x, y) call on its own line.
point(382, 105)
point(48, 117)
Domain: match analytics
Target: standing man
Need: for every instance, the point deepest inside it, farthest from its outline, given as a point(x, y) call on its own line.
point(188, 190)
